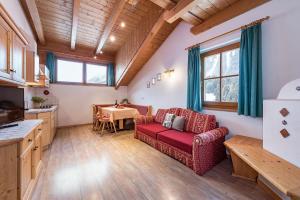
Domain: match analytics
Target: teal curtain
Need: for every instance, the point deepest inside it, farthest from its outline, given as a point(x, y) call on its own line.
point(250, 101)
point(110, 75)
point(194, 82)
point(51, 65)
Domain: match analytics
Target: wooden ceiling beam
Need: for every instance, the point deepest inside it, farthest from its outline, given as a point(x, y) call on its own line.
point(32, 12)
point(182, 7)
point(232, 11)
point(75, 19)
point(110, 24)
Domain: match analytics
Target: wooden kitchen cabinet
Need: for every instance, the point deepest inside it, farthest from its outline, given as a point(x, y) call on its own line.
point(32, 68)
point(5, 49)
point(20, 164)
point(26, 171)
point(12, 51)
point(49, 126)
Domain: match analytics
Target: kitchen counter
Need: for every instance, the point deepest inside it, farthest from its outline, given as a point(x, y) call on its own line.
point(41, 110)
point(17, 133)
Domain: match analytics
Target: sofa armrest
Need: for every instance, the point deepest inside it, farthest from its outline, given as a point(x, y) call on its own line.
point(210, 136)
point(143, 119)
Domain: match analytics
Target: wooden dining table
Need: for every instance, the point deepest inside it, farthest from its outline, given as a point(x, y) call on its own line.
point(119, 114)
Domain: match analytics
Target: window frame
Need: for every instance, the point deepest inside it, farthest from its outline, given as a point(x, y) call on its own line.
point(84, 81)
point(212, 105)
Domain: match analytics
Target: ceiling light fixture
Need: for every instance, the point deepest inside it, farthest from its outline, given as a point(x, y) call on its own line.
point(123, 24)
point(112, 38)
point(101, 52)
point(95, 57)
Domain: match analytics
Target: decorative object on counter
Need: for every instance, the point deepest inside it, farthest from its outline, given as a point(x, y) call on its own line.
point(284, 112)
point(153, 81)
point(46, 92)
point(124, 101)
point(158, 77)
point(38, 101)
point(148, 84)
point(284, 133)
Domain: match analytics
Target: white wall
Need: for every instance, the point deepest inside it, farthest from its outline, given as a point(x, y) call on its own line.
point(75, 101)
point(280, 62)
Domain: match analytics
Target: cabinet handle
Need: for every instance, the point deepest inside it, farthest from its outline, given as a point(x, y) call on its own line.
point(29, 140)
point(35, 148)
point(39, 129)
point(13, 70)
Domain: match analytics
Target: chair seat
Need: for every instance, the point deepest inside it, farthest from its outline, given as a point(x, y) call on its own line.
point(104, 119)
point(151, 129)
point(180, 140)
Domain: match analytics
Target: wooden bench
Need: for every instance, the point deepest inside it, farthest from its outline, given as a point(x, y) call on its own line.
point(249, 160)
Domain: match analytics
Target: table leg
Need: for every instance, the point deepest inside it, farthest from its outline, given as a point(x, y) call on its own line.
point(121, 124)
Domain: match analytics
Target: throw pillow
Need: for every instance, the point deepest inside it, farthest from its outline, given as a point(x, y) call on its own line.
point(168, 120)
point(178, 123)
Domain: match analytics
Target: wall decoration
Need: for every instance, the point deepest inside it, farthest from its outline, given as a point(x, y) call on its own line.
point(158, 77)
point(153, 81)
point(148, 84)
point(46, 92)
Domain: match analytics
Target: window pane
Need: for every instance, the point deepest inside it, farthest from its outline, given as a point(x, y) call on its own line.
point(230, 62)
point(68, 71)
point(96, 74)
point(230, 87)
point(212, 66)
point(212, 90)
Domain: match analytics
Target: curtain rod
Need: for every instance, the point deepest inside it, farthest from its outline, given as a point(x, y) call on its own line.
point(239, 28)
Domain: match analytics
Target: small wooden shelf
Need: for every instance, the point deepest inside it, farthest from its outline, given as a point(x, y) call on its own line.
point(250, 159)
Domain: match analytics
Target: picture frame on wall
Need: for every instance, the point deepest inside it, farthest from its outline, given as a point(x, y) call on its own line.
point(148, 84)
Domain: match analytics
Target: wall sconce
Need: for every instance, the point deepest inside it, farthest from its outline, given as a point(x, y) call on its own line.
point(153, 81)
point(169, 71)
point(158, 77)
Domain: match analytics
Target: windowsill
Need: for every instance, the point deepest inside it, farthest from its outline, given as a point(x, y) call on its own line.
point(81, 84)
point(220, 109)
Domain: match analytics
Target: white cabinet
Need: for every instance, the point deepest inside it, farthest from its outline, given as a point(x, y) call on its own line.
point(274, 122)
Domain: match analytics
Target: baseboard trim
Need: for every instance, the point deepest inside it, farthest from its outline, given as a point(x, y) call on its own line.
point(74, 125)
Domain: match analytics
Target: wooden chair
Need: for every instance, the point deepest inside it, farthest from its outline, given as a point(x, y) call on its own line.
point(104, 121)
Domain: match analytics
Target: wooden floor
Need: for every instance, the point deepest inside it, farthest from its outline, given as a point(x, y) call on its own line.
point(85, 165)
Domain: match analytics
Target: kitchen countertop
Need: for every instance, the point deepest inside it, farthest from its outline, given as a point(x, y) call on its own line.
point(40, 110)
point(17, 133)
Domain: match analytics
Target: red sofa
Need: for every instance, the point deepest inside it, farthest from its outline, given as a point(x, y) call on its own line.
point(199, 147)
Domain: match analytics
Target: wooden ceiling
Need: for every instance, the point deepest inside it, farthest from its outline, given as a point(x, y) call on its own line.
point(89, 24)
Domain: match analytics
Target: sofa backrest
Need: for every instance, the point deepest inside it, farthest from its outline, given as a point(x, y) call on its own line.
point(143, 110)
point(195, 122)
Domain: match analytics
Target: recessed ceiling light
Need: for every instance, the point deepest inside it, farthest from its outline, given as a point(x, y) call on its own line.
point(123, 24)
point(95, 57)
point(112, 38)
point(101, 52)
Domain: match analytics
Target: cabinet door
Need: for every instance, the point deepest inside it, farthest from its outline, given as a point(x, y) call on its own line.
point(18, 59)
point(37, 154)
point(26, 170)
point(46, 137)
point(5, 49)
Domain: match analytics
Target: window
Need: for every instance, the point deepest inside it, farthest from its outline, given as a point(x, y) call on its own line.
point(81, 73)
point(96, 74)
point(68, 71)
point(220, 78)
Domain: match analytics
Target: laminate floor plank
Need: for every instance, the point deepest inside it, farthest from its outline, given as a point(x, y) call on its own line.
point(83, 165)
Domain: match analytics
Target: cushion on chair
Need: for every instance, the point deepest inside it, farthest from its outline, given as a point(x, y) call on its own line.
point(151, 129)
point(180, 140)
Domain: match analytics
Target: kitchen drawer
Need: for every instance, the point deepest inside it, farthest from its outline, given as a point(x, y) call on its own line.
point(27, 141)
point(39, 130)
point(45, 115)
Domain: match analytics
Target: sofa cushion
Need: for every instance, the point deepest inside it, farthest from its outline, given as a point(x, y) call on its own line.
point(197, 122)
point(180, 140)
point(178, 123)
point(160, 115)
point(174, 111)
point(151, 129)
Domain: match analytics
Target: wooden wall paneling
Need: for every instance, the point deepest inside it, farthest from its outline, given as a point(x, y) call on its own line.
point(110, 24)
point(76, 5)
point(80, 53)
point(32, 12)
point(230, 12)
point(182, 7)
